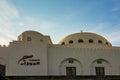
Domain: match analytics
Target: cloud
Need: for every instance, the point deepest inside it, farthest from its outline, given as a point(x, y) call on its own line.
point(46, 25)
point(115, 0)
point(12, 23)
point(3, 41)
point(114, 38)
point(98, 27)
point(8, 13)
point(116, 9)
point(31, 23)
point(114, 35)
point(116, 5)
point(7, 10)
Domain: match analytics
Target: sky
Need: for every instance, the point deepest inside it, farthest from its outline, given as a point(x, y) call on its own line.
point(59, 18)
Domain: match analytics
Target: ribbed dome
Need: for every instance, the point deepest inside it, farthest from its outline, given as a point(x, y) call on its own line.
point(84, 38)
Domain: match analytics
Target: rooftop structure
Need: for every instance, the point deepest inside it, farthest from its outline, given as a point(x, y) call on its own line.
point(78, 54)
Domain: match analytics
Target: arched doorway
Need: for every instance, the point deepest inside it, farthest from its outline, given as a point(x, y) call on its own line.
point(100, 67)
point(70, 66)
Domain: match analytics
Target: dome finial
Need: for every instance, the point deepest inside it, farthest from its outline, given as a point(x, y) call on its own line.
point(81, 31)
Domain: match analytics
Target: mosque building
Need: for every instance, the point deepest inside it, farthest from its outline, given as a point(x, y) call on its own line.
point(78, 54)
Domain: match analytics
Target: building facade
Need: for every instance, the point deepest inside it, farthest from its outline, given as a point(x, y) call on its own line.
point(84, 53)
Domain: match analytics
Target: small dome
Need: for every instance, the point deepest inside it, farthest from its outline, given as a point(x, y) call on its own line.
point(30, 34)
point(33, 36)
point(84, 38)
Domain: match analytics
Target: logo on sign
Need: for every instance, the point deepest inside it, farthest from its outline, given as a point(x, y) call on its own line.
point(28, 60)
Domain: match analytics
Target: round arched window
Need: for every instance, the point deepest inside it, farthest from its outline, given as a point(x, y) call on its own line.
point(63, 43)
point(80, 41)
point(90, 40)
point(71, 41)
point(99, 41)
point(29, 39)
point(107, 43)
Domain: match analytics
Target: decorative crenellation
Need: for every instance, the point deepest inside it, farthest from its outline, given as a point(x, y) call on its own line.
point(3, 46)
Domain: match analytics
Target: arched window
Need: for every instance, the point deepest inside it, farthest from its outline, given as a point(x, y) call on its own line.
point(41, 40)
point(107, 43)
point(63, 43)
point(99, 41)
point(71, 41)
point(71, 61)
point(99, 61)
point(70, 67)
point(29, 39)
point(90, 40)
point(80, 41)
point(100, 67)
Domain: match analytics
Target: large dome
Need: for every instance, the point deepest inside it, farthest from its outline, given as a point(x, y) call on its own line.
point(84, 38)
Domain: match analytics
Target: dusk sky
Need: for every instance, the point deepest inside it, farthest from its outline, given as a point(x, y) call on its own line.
point(59, 18)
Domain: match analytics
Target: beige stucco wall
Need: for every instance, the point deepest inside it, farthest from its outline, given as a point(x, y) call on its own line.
point(54, 57)
point(86, 56)
point(37, 48)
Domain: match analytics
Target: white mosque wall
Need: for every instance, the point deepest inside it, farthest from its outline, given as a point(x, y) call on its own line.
point(35, 55)
point(86, 58)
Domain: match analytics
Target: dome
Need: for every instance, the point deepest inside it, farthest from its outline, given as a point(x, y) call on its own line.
point(33, 36)
point(30, 34)
point(84, 38)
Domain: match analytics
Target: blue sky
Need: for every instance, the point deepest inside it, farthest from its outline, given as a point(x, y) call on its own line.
point(59, 18)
